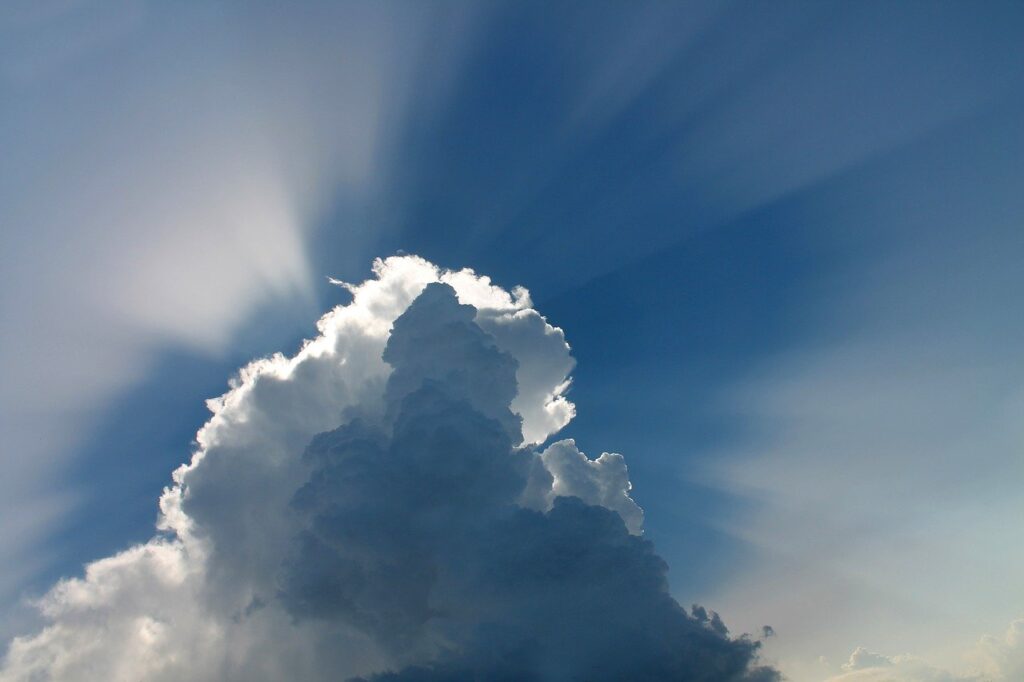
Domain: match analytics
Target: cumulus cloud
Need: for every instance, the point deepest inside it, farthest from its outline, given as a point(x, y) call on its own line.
point(1003, 657)
point(869, 666)
point(377, 507)
point(994, 659)
point(603, 481)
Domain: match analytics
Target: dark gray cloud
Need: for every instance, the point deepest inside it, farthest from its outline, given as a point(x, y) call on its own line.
point(413, 534)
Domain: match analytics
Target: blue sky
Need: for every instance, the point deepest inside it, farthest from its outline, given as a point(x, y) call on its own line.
point(783, 241)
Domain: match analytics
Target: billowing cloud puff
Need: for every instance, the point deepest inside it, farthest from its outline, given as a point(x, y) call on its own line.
point(603, 481)
point(1003, 657)
point(869, 666)
point(375, 507)
point(994, 659)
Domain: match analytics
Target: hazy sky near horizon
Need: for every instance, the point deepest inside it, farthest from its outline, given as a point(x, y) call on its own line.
point(783, 240)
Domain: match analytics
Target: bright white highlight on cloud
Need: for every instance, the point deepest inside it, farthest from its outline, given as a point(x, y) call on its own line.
point(257, 524)
point(602, 481)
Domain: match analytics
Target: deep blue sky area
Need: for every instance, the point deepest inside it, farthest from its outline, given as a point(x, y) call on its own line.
point(744, 215)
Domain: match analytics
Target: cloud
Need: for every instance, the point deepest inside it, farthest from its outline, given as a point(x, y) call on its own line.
point(603, 481)
point(1003, 657)
point(993, 659)
point(868, 666)
point(376, 507)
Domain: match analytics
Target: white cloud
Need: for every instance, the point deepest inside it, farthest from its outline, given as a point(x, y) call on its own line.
point(868, 666)
point(602, 481)
point(993, 659)
point(219, 594)
point(1002, 658)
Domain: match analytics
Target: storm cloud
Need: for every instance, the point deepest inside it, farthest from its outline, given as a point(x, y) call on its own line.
point(380, 507)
